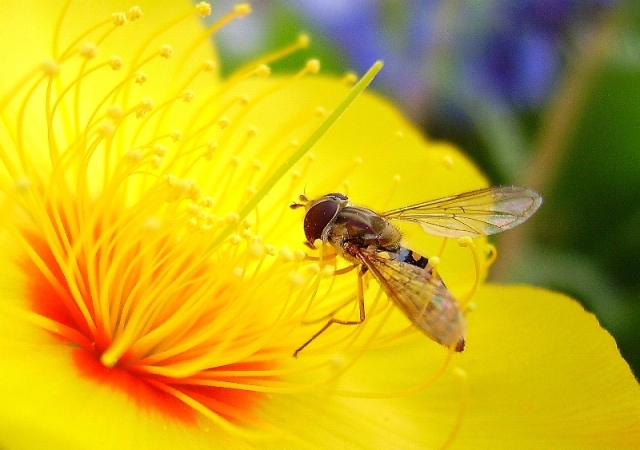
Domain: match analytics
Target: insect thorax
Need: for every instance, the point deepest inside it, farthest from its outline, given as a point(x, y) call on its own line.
point(362, 228)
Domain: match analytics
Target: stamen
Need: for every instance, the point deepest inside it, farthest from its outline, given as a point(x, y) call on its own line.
point(447, 162)
point(350, 78)
point(461, 374)
point(301, 43)
point(491, 254)
point(466, 241)
point(304, 148)
point(203, 9)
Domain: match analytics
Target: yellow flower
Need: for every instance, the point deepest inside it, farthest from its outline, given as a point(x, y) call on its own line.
point(154, 282)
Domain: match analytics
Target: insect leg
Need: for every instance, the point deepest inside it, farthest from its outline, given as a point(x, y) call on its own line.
point(333, 320)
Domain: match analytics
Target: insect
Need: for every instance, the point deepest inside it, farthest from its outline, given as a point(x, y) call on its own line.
point(370, 241)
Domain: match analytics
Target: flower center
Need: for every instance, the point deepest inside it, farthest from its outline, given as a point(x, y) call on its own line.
point(161, 287)
point(139, 327)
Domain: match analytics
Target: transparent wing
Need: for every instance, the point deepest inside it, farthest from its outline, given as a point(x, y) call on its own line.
point(422, 297)
point(476, 213)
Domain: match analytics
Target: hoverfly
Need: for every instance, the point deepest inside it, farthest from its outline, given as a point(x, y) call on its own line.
point(369, 240)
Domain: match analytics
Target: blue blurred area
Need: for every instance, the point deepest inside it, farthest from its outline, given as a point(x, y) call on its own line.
point(539, 92)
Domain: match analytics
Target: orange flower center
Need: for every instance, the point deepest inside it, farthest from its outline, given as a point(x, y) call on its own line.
point(140, 371)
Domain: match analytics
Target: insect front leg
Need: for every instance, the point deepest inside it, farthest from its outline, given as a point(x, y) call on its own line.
point(333, 320)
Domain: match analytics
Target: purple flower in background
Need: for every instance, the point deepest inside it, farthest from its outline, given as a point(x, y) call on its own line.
point(440, 54)
point(510, 52)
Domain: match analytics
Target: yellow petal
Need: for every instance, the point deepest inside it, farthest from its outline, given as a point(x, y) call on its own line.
point(538, 372)
point(28, 27)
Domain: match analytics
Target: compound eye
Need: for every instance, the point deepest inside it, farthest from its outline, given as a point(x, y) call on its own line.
point(318, 217)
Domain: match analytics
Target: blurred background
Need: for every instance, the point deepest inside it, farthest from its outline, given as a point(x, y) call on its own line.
point(540, 93)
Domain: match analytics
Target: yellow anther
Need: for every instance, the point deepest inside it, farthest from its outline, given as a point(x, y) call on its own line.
point(256, 249)
point(224, 122)
point(434, 261)
point(397, 178)
point(350, 78)
point(194, 192)
point(294, 143)
point(176, 135)
point(338, 360)
point(193, 209)
point(400, 134)
point(257, 165)
point(211, 147)
point(232, 218)
point(286, 255)
point(311, 156)
point(206, 201)
point(209, 65)
point(447, 162)
point(313, 268)
point(106, 129)
point(146, 105)
point(188, 96)
point(88, 50)
point(119, 18)
point(50, 67)
point(320, 111)
point(166, 51)
point(270, 249)
point(465, 241)
point(115, 62)
point(156, 162)
point(242, 9)
point(134, 13)
point(22, 184)
point(252, 131)
point(299, 255)
point(313, 66)
point(358, 160)
point(304, 40)
point(296, 175)
point(235, 239)
point(235, 161)
point(170, 179)
point(203, 9)
point(238, 271)
point(192, 223)
point(263, 71)
point(244, 100)
point(159, 150)
point(251, 191)
point(140, 77)
point(115, 112)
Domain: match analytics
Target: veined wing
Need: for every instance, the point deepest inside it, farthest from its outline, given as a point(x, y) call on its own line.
point(476, 213)
point(422, 297)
